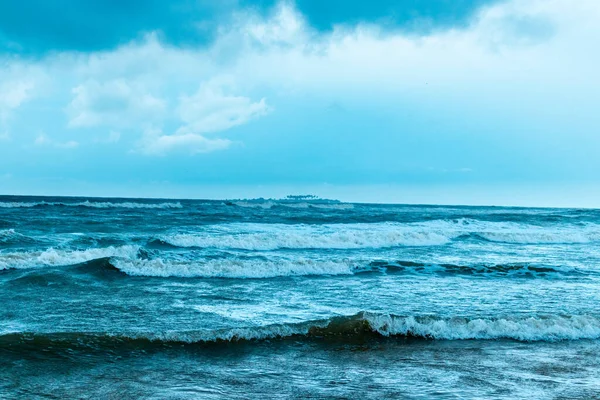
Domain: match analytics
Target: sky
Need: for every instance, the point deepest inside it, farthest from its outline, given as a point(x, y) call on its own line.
point(414, 101)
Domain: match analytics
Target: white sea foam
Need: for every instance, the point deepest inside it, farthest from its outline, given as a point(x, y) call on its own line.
point(7, 233)
point(242, 269)
point(527, 329)
point(92, 204)
point(376, 235)
point(54, 257)
point(10, 235)
point(20, 205)
point(551, 328)
point(235, 268)
point(512, 232)
point(277, 236)
point(527, 235)
point(338, 240)
point(246, 204)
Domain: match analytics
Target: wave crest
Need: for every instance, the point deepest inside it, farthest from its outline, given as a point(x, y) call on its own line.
point(92, 204)
point(376, 235)
point(264, 268)
point(550, 328)
point(7, 235)
point(275, 236)
point(240, 269)
point(53, 257)
point(135, 261)
point(364, 325)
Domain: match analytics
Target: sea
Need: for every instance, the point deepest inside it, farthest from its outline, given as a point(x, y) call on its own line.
point(296, 298)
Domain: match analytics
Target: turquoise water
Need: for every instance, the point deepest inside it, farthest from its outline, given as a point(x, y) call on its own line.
point(293, 299)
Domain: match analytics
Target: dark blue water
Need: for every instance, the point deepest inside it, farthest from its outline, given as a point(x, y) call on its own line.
point(134, 298)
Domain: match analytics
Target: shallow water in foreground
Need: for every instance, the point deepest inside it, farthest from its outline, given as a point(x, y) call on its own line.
point(384, 368)
point(247, 299)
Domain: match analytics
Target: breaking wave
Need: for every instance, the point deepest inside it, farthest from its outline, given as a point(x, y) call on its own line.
point(92, 204)
point(134, 261)
point(364, 325)
point(7, 233)
point(240, 269)
point(10, 235)
point(274, 268)
point(548, 328)
point(245, 204)
point(377, 235)
point(52, 257)
point(518, 233)
point(276, 236)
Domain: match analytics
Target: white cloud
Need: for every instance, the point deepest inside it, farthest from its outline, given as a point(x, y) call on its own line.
point(43, 140)
point(156, 143)
point(535, 49)
point(212, 110)
point(523, 42)
point(118, 103)
point(285, 27)
point(132, 101)
point(14, 93)
point(16, 87)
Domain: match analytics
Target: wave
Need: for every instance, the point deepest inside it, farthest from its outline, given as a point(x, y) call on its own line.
point(134, 260)
point(53, 257)
point(233, 269)
point(291, 240)
point(92, 204)
point(518, 233)
point(8, 235)
point(278, 236)
point(546, 328)
point(362, 326)
point(245, 204)
point(491, 270)
point(540, 236)
point(377, 235)
point(262, 268)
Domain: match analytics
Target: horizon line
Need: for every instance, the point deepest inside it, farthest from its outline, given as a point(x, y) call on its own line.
point(215, 199)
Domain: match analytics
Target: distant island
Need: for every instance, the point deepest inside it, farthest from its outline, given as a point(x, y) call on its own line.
point(302, 197)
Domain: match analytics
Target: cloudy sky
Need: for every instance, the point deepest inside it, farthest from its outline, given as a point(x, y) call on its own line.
point(426, 101)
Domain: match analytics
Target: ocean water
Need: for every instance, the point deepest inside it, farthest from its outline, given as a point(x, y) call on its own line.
point(181, 299)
